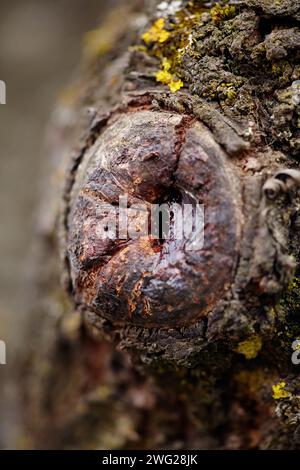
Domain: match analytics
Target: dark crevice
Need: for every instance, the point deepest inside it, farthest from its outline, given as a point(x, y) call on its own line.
point(267, 25)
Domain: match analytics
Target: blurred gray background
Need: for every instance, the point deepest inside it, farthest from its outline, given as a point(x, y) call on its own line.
point(40, 43)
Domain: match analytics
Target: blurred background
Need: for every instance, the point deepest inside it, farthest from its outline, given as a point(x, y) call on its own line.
point(40, 43)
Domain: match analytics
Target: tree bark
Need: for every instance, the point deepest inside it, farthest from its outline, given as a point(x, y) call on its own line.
point(151, 345)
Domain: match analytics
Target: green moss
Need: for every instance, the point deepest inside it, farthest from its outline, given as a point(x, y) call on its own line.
point(277, 69)
point(291, 298)
point(221, 13)
point(226, 92)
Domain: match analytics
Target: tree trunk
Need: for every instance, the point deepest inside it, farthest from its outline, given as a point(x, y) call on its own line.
point(154, 344)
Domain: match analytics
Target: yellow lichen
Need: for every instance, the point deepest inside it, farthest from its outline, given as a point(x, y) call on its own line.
point(279, 391)
point(156, 33)
point(167, 78)
point(163, 76)
point(250, 347)
point(175, 85)
point(166, 63)
point(170, 45)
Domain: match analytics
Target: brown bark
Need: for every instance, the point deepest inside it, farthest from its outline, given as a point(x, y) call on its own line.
point(171, 348)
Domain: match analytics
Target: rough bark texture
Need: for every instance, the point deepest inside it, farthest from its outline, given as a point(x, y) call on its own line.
point(196, 351)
